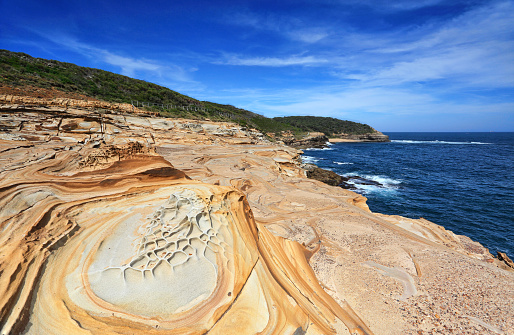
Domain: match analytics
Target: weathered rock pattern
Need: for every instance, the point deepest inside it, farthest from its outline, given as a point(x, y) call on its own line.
point(117, 224)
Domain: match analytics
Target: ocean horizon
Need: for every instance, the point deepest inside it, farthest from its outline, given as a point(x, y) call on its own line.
point(463, 181)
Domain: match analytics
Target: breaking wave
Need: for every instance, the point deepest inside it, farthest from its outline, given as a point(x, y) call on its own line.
point(309, 159)
point(433, 142)
point(383, 184)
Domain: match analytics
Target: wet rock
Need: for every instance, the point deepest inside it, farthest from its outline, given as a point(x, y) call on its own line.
point(326, 176)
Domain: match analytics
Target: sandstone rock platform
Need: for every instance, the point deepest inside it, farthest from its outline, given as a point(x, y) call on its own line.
point(119, 224)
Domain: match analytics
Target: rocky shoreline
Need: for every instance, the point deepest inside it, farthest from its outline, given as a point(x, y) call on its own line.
point(333, 179)
point(320, 140)
point(115, 223)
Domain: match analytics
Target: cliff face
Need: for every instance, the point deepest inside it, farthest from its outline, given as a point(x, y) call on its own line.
point(116, 224)
point(20, 102)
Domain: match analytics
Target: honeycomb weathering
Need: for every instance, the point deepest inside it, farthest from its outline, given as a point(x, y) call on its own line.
point(137, 246)
point(184, 238)
point(166, 260)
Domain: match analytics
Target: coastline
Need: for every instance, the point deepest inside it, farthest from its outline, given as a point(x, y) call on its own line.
point(394, 273)
point(427, 175)
point(341, 140)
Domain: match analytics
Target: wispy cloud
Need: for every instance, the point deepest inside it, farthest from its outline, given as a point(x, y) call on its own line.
point(307, 35)
point(142, 68)
point(470, 66)
point(272, 61)
point(339, 101)
point(385, 108)
point(474, 49)
point(387, 5)
point(128, 65)
point(293, 28)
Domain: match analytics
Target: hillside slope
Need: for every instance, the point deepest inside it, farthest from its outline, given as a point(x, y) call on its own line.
point(21, 74)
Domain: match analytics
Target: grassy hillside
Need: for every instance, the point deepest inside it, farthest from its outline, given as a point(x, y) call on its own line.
point(19, 70)
point(327, 125)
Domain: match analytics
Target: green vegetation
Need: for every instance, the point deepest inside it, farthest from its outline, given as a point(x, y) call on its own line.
point(18, 69)
point(272, 126)
point(327, 125)
point(21, 70)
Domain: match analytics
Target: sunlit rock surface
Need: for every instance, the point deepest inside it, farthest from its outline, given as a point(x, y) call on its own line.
point(118, 224)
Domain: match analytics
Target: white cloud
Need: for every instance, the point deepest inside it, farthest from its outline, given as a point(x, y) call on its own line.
point(272, 61)
point(468, 66)
point(129, 66)
point(337, 101)
point(474, 49)
point(363, 104)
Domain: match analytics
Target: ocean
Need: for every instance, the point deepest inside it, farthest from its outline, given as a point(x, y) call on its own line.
point(461, 181)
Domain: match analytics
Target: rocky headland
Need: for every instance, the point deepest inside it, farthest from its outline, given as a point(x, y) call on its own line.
point(118, 223)
point(320, 140)
point(310, 140)
point(374, 136)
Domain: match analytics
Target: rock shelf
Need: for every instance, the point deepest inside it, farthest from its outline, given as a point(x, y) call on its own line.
point(119, 224)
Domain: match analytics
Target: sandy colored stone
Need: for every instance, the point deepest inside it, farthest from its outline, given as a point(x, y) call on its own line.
point(131, 225)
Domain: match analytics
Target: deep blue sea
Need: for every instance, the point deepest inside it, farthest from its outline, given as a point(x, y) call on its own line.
point(462, 181)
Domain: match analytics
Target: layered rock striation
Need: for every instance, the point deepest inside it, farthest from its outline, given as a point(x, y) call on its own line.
point(118, 224)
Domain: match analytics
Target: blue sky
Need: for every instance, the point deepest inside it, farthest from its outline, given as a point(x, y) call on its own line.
point(408, 65)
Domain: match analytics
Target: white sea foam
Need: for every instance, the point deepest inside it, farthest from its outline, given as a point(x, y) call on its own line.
point(318, 149)
point(433, 142)
point(343, 163)
point(367, 189)
point(309, 159)
point(386, 181)
point(388, 184)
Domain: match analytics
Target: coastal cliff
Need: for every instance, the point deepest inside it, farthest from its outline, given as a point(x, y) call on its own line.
point(115, 223)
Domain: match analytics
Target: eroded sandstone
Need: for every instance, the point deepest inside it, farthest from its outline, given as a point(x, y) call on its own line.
point(117, 224)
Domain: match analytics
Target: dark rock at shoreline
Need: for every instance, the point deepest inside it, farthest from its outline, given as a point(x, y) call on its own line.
point(331, 178)
point(325, 176)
